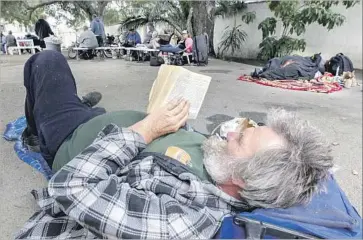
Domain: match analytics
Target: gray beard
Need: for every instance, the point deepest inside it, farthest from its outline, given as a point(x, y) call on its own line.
point(217, 162)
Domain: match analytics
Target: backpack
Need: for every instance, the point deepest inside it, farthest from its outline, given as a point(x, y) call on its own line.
point(200, 49)
point(156, 61)
point(340, 63)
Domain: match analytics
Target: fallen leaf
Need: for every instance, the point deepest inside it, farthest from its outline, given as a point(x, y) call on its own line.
point(335, 144)
point(355, 172)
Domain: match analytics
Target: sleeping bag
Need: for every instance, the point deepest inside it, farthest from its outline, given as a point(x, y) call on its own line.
point(291, 67)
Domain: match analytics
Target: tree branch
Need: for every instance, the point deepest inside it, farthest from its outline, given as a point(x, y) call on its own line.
point(101, 7)
point(86, 7)
point(31, 9)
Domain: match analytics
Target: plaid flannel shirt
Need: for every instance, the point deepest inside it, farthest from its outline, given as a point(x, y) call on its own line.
point(107, 192)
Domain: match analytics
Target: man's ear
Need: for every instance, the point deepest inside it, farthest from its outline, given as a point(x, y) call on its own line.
point(238, 182)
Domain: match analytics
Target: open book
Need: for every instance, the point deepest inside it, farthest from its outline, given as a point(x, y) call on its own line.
point(173, 82)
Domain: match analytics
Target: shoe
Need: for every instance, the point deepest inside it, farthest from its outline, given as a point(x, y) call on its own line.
point(254, 74)
point(91, 99)
point(31, 142)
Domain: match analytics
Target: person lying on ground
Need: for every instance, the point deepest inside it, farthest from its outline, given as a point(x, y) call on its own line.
point(186, 44)
point(112, 188)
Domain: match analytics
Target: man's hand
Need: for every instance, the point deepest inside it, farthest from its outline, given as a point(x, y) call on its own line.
point(167, 119)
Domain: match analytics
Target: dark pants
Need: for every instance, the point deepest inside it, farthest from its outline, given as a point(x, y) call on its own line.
point(128, 45)
point(52, 108)
point(100, 41)
point(42, 44)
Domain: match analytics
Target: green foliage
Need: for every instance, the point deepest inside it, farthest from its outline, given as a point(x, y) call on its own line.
point(268, 27)
point(249, 17)
point(112, 16)
point(295, 16)
point(232, 39)
point(68, 13)
point(74, 13)
point(271, 47)
point(16, 12)
point(172, 13)
point(229, 8)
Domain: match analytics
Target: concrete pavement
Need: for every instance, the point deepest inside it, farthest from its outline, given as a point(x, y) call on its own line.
point(125, 85)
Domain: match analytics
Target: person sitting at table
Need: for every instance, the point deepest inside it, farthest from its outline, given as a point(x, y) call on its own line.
point(186, 44)
point(174, 39)
point(35, 39)
point(154, 41)
point(87, 39)
point(151, 33)
point(10, 41)
point(3, 43)
point(132, 38)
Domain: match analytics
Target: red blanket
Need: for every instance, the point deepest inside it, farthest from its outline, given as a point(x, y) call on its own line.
point(299, 85)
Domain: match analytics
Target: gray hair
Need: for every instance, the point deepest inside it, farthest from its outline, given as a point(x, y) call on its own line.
point(85, 28)
point(290, 174)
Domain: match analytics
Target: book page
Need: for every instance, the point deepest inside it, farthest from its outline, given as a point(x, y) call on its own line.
point(161, 87)
point(192, 87)
point(175, 82)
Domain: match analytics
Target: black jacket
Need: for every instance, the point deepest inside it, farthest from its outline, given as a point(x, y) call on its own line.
point(42, 29)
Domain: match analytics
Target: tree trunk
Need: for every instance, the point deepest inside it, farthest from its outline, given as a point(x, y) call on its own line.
point(210, 26)
point(101, 8)
point(203, 20)
point(189, 21)
point(200, 16)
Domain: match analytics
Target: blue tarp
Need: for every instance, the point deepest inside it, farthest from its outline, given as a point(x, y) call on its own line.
point(13, 132)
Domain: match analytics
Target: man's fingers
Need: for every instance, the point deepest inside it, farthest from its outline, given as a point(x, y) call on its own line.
point(174, 103)
point(183, 112)
point(179, 108)
point(184, 119)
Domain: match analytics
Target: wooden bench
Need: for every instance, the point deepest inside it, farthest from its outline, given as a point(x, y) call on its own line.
point(24, 44)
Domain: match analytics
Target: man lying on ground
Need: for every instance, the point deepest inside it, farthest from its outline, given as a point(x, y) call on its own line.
point(114, 188)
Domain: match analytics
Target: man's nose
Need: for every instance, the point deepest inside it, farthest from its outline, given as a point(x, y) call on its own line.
point(232, 136)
